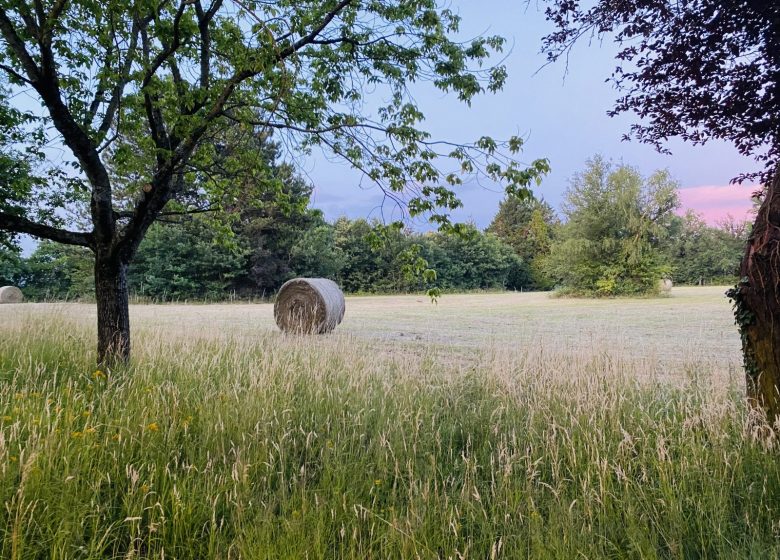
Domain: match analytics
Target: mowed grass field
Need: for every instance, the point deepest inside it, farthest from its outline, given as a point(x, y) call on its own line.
point(693, 325)
point(486, 426)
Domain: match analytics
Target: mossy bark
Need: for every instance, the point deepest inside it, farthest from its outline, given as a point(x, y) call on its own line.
point(757, 306)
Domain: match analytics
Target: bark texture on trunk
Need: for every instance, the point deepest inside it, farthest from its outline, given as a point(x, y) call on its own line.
point(113, 314)
point(757, 306)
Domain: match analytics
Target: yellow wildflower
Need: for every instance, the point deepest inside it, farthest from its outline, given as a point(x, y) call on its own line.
point(378, 482)
point(76, 435)
point(13, 458)
point(99, 374)
point(154, 427)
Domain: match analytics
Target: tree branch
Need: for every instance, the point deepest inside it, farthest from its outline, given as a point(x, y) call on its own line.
point(185, 147)
point(46, 83)
point(306, 40)
point(17, 46)
point(17, 224)
point(130, 214)
point(124, 76)
point(56, 11)
point(153, 113)
point(163, 55)
point(29, 20)
point(151, 203)
point(204, 18)
point(14, 74)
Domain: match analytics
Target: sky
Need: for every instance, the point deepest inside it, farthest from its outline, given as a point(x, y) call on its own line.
point(560, 111)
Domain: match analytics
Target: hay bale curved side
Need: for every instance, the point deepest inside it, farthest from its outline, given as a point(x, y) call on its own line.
point(11, 294)
point(309, 306)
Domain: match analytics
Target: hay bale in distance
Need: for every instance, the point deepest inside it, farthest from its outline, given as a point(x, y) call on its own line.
point(309, 306)
point(665, 285)
point(11, 294)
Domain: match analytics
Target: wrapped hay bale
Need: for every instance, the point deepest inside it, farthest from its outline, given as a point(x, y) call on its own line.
point(11, 294)
point(309, 306)
point(665, 285)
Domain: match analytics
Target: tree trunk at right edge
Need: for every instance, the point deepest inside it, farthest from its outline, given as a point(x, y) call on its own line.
point(757, 306)
point(113, 314)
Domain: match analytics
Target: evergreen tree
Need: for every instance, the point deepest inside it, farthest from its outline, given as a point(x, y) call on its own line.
point(527, 225)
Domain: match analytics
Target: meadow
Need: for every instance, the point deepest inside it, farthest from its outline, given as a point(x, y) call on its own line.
point(485, 426)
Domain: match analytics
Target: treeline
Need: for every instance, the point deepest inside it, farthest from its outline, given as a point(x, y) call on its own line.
point(619, 235)
point(193, 260)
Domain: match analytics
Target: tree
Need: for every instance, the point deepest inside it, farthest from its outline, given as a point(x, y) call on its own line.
point(365, 267)
point(185, 261)
point(56, 271)
point(12, 266)
point(273, 219)
point(609, 244)
point(700, 254)
point(315, 253)
point(476, 261)
point(142, 89)
point(699, 71)
point(526, 225)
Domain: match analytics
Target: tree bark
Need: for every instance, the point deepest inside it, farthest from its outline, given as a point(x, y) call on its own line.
point(757, 306)
point(113, 313)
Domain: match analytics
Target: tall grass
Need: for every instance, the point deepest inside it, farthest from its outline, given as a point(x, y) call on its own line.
point(220, 447)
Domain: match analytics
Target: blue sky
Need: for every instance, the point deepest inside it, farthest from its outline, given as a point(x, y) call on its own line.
point(562, 115)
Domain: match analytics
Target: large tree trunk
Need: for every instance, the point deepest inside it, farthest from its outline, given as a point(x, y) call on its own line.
point(113, 315)
point(757, 306)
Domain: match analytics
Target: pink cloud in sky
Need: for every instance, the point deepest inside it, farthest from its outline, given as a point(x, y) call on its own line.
point(715, 202)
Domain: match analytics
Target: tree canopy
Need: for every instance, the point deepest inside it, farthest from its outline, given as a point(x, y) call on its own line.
point(702, 254)
point(698, 70)
point(615, 220)
point(527, 225)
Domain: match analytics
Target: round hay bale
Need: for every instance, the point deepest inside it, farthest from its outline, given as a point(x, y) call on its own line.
point(309, 306)
point(665, 285)
point(11, 294)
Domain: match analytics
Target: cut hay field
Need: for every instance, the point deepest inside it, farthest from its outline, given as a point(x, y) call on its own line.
point(693, 325)
point(486, 426)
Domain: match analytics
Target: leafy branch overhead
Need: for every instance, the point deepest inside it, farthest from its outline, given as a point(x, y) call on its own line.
point(700, 71)
point(138, 91)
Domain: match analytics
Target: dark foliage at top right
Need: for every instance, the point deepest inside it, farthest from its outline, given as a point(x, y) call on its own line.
point(693, 69)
